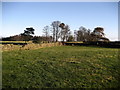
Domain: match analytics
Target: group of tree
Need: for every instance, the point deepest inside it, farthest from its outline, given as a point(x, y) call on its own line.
point(60, 31)
point(84, 34)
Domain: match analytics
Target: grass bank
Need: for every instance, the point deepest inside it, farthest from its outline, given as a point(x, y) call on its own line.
point(29, 46)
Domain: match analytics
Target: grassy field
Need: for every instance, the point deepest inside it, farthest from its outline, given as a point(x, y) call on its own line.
point(61, 66)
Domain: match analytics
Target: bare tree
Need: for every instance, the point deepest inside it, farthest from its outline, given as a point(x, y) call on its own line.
point(88, 35)
point(70, 38)
point(55, 30)
point(83, 34)
point(75, 35)
point(65, 31)
point(46, 31)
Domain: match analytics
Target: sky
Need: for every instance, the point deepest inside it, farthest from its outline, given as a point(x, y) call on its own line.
point(16, 16)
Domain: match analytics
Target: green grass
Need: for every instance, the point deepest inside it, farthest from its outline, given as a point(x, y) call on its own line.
point(62, 66)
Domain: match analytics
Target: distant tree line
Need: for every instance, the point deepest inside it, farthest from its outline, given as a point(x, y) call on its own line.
point(59, 31)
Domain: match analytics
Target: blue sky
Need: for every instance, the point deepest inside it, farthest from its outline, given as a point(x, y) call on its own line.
point(16, 16)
